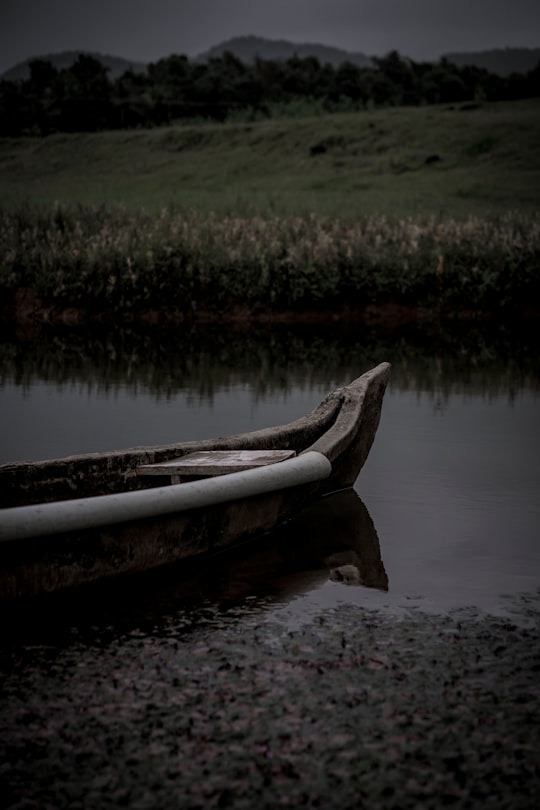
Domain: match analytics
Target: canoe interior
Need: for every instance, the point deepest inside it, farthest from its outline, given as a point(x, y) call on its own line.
point(342, 427)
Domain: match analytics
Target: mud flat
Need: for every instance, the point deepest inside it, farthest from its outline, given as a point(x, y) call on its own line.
point(349, 708)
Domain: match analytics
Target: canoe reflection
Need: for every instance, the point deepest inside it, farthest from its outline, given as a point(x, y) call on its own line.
point(333, 539)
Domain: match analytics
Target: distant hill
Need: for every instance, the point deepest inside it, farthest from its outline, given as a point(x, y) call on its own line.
point(248, 48)
point(117, 66)
point(502, 61)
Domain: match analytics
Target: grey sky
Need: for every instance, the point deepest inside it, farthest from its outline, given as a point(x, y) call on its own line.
point(148, 30)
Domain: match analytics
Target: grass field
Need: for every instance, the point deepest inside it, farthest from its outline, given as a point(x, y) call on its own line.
point(418, 161)
point(428, 207)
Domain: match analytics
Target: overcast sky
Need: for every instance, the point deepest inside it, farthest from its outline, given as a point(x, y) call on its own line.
point(147, 30)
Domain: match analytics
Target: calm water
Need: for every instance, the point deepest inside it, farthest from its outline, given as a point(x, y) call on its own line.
point(451, 488)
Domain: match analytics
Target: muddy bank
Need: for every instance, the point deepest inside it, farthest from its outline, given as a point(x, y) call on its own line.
point(353, 708)
point(26, 308)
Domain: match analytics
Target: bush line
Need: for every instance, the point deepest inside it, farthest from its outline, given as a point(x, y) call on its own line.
point(114, 261)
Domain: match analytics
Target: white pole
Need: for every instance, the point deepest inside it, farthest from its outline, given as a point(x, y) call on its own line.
point(41, 520)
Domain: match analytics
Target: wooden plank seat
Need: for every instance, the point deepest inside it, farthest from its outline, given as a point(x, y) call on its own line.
point(208, 463)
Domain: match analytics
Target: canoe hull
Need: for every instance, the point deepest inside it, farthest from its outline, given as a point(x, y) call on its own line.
point(332, 535)
point(34, 566)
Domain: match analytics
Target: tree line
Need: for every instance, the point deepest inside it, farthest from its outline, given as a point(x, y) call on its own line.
point(84, 98)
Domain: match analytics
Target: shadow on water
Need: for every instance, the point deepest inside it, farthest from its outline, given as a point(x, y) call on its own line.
point(207, 360)
point(66, 391)
point(334, 539)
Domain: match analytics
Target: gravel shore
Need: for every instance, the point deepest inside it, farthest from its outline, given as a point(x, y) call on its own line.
point(351, 708)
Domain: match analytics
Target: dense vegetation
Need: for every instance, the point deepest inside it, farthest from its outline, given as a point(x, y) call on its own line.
point(432, 209)
point(83, 98)
point(181, 266)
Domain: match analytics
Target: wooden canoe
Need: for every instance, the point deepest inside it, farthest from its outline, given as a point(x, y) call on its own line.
point(74, 520)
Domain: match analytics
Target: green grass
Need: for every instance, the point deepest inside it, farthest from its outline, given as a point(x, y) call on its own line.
point(342, 166)
point(429, 207)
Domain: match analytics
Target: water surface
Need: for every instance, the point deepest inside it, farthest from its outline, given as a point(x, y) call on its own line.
point(450, 488)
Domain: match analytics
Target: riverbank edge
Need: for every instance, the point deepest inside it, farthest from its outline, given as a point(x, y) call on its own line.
point(26, 308)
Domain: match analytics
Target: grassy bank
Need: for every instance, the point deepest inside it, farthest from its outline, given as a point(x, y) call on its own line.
point(188, 265)
point(436, 208)
point(422, 161)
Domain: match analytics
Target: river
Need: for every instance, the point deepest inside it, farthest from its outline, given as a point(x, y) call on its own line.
point(452, 482)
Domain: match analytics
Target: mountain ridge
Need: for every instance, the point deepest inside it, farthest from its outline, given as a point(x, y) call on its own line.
point(501, 61)
point(61, 60)
point(248, 48)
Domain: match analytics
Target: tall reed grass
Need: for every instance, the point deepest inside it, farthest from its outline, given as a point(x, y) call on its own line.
point(108, 261)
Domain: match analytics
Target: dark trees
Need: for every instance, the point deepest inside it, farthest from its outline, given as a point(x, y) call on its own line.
point(83, 98)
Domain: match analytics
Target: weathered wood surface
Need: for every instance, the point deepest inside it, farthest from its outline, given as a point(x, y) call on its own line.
point(214, 462)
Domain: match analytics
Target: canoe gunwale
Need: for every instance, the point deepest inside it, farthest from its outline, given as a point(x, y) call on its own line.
point(91, 474)
point(43, 520)
point(331, 429)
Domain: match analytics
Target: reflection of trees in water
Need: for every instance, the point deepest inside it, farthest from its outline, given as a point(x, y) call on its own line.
point(204, 361)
